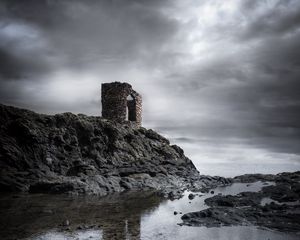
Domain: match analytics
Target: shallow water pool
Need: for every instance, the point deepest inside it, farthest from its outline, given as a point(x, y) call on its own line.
point(139, 215)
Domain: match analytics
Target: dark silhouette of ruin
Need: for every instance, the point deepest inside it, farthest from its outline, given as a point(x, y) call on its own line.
point(121, 103)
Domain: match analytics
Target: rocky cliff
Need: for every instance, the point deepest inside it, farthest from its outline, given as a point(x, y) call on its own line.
point(84, 154)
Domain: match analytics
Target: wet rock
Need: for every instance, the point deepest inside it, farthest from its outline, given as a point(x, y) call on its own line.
point(175, 194)
point(191, 196)
point(275, 217)
point(246, 209)
point(282, 192)
point(219, 201)
point(250, 178)
point(213, 218)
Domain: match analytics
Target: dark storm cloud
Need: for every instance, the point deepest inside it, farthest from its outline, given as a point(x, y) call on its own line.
point(254, 88)
point(205, 68)
point(256, 97)
point(11, 67)
point(19, 67)
point(42, 39)
point(83, 34)
point(283, 18)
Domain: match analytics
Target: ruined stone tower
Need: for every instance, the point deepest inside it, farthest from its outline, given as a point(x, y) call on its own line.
point(121, 103)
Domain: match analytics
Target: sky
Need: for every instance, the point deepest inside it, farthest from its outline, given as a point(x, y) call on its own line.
point(219, 78)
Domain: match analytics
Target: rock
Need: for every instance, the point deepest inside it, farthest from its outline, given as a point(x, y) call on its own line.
point(250, 178)
point(175, 194)
point(155, 136)
point(271, 217)
point(51, 187)
point(79, 154)
point(212, 218)
point(246, 209)
point(175, 213)
point(220, 201)
point(191, 196)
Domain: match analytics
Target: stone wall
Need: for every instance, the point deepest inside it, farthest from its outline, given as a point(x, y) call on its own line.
point(115, 105)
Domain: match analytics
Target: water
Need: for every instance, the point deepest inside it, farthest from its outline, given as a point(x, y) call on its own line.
point(268, 200)
point(141, 215)
point(88, 234)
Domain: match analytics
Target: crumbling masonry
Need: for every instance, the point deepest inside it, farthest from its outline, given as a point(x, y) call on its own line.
point(121, 103)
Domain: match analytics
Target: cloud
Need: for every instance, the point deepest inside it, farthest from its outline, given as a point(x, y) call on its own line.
point(22, 51)
point(96, 33)
point(214, 69)
point(277, 17)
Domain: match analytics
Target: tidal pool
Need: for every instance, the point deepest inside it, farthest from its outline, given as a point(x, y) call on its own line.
point(135, 215)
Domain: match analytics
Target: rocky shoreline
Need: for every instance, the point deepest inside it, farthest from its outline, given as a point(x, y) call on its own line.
point(34, 215)
point(79, 154)
point(82, 155)
point(275, 206)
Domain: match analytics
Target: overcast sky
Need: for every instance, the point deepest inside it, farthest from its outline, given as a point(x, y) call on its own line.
point(211, 71)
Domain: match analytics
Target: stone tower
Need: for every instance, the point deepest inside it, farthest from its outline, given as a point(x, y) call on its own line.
point(121, 103)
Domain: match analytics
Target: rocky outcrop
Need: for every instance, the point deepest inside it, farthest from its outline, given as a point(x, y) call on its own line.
point(83, 154)
point(276, 206)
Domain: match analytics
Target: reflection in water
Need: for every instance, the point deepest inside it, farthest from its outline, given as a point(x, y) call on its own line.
point(89, 234)
point(128, 216)
point(118, 216)
point(123, 229)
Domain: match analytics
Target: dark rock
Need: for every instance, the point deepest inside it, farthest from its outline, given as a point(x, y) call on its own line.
point(219, 201)
point(246, 209)
point(213, 218)
point(68, 153)
point(155, 136)
point(51, 187)
point(191, 196)
point(244, 199)
point(250, 178)
point(277, 217)
point(175, 194)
